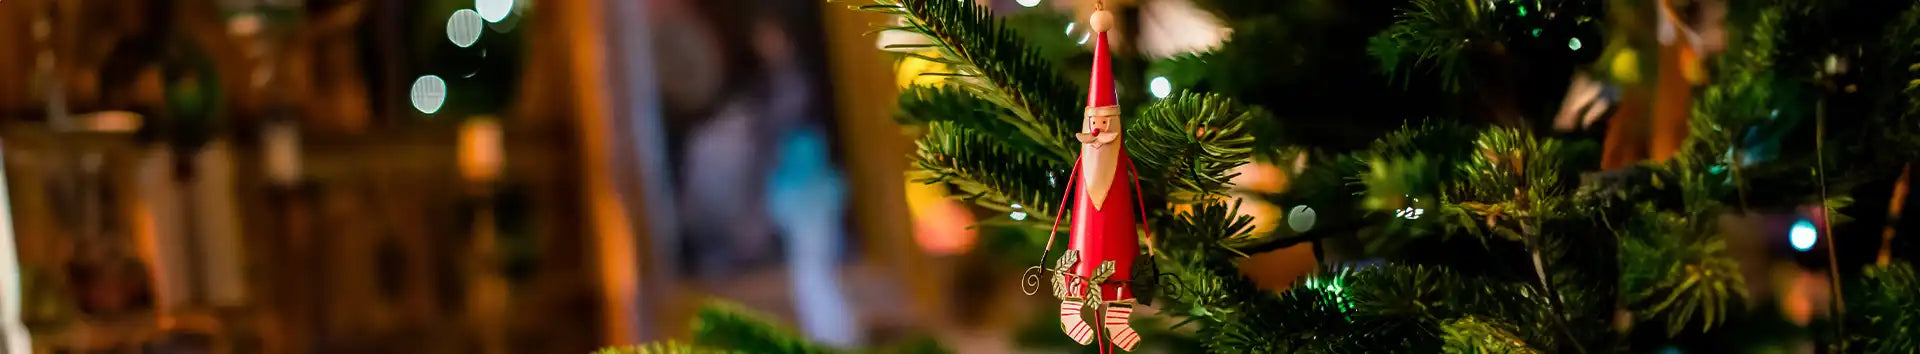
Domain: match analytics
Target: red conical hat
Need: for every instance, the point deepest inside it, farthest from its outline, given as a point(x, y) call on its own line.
point(1100, 94)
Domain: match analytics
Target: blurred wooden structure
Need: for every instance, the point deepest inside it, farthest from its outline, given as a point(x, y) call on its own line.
point(380, 246)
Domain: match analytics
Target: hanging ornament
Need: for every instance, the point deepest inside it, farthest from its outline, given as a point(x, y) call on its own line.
point(1097, 270)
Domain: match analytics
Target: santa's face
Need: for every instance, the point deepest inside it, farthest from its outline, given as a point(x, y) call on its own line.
point(1099, 125)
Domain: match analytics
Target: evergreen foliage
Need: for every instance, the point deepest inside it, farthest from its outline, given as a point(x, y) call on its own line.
point(1887, 322)
point(1524, 246)
point(1568, 247)
point(721, 327)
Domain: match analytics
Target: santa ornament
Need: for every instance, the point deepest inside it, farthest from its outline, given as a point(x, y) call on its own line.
point(1097, 271)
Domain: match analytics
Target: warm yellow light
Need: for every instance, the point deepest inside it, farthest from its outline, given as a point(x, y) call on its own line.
point(108, 122)
point(481, 152)
point(940, 224)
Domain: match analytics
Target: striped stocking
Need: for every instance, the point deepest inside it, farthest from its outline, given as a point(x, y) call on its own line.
point(1116, 323)
point(1071, 321)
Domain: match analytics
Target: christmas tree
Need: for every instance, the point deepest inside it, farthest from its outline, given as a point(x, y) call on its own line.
point(1423, 132)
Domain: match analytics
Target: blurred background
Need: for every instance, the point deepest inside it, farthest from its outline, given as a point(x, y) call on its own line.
point(550, 176)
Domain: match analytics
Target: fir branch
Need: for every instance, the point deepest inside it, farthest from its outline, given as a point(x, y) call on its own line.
point(666, 347)
point(1675, 267)
point(1191, 143)
point(1881, 310)
point(993, 62)
point(1234, 314)
point(1512, 168)
point(730, 327)
point(1502, 185)
point(1213, 227)
point(1386, 308)
point(1438, 32)
point(1474, 335)
point(991, 172)
point(1444, 138)
point(920, 105)
point(1405, 164)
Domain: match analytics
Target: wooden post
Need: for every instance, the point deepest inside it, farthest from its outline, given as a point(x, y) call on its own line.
point(605, 50)
point(863, 98)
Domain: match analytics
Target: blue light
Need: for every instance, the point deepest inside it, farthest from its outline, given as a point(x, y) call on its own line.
point(1802, 235)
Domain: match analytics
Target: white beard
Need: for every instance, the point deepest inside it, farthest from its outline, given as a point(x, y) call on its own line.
point(1098, 165)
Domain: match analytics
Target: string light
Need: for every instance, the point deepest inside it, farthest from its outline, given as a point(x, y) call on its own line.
point(1160, 87)
point(1017, 214)
point(1029, 3)
point(1802, 235)
point(1573, 44)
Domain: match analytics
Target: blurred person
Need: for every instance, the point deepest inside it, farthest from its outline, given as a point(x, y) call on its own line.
point(758, 179)
point(719, 144)
point(807, 197)
point(808, 202)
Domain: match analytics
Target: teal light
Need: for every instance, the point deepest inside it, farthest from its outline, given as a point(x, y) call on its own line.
point(1536, 32)
point(1802, 235)
point(1573, 44)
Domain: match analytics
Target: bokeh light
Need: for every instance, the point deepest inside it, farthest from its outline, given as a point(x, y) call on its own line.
point(1802, 236)
point(1160, 87)
point(1301, 218)
point(463, 28)
point(493, 10)
point(428, 93)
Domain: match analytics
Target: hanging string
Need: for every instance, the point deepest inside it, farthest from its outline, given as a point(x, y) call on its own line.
point(1839, 303)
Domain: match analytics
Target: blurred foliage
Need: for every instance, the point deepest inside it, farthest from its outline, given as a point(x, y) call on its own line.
point(727, 326)
point(668, 347)
point(1883, 306)
point(1677, 269)
point(722, 327)
point(1438, 33)
point(1472, 335)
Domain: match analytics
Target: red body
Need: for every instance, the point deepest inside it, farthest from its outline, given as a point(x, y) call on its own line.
point(1106, 233)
